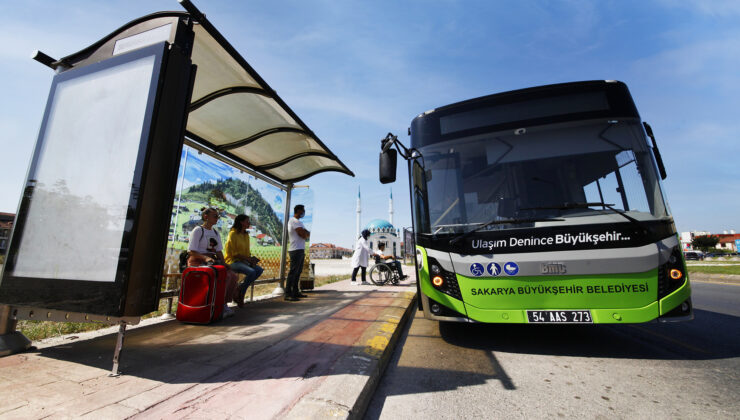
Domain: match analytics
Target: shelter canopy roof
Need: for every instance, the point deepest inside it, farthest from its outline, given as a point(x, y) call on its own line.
point(233, 112)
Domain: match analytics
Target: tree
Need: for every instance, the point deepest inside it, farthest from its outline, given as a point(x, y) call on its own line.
point(217, 198)
point(704, 242)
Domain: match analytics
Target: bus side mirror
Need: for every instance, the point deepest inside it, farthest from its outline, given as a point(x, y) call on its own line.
point(656, 152)
point(387, 165)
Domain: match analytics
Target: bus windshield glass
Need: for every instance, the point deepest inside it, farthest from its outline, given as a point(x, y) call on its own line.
point(578, 172)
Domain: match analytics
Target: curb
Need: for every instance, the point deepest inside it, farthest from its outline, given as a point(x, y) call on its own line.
point(347, 395)
point(715, 278)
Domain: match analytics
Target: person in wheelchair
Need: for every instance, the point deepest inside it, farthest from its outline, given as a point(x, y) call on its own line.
point(390, 260)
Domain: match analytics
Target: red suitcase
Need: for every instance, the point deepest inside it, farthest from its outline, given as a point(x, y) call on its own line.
point(202, 293)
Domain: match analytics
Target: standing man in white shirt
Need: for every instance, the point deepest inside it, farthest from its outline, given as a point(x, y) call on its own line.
point(297, 250)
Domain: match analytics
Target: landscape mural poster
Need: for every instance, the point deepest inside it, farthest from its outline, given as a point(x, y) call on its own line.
point(208, 182)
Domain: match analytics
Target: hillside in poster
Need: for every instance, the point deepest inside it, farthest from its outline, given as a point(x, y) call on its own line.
point(234, 196)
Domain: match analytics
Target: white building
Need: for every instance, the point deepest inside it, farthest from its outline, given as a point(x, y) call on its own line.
point(381, 231)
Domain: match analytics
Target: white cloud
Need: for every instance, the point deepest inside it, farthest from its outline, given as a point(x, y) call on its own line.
point(707, 63)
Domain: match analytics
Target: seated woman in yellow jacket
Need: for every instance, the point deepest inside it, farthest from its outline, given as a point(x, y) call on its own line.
point(239, 257)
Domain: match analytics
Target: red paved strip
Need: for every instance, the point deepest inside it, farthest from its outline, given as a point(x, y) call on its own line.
point(271, 382)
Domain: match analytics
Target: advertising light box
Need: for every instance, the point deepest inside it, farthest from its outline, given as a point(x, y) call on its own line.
point(101, 181)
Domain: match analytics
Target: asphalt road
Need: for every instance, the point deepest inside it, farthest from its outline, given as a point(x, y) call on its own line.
point(658, 371)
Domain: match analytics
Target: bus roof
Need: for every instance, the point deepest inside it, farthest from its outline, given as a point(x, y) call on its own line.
point(527, 107)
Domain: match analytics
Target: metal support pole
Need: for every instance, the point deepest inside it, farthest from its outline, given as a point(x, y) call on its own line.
point(11, 341)
point(7, 323)
point(176, 231)
point(284, 249)
point(119, 349)
point(168, 314)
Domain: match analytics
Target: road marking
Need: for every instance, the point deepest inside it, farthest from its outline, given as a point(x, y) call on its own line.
point(376, 345)
point(388, 327)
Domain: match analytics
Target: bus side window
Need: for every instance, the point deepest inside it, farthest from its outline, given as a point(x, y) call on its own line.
point(421, 209)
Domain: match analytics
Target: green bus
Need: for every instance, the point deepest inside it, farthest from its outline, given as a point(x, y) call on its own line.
point(542, 205)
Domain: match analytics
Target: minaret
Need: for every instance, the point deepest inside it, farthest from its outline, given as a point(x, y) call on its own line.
point(359, 211)
point(390, 208)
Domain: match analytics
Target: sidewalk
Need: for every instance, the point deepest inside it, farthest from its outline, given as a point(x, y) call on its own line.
point(320, 357)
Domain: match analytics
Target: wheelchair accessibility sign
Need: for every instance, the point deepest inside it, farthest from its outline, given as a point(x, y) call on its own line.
point(476, 269)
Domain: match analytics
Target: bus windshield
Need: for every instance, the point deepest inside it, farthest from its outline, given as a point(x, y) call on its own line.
point(548, 175)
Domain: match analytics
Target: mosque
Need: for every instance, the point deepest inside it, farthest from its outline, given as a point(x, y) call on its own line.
point(381, 231)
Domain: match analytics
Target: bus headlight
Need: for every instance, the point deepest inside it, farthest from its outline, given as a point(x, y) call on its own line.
point(436, 308)
point(671, 275)
point(442, 280)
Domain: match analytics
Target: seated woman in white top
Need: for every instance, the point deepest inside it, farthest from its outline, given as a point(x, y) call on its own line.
point(205, 248)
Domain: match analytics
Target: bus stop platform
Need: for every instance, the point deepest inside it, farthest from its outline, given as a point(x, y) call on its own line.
point(316, 358)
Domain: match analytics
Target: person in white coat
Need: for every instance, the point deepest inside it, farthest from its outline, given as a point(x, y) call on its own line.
point(361, 256)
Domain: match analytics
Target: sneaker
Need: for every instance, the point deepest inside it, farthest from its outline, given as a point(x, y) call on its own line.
point(301, 295)
point(239, 298)
point(291, 299)
point(228, 312)
point(364, 283)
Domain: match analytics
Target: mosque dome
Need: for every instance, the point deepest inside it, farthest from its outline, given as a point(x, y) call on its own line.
point(380, 225)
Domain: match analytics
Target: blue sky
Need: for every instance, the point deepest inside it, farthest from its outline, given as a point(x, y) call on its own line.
point(355, 70)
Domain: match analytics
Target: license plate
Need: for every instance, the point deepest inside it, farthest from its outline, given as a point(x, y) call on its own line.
point(559, 317)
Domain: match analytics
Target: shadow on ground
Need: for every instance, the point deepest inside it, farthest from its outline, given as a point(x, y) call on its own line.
point(265, 340)
point(710, 335)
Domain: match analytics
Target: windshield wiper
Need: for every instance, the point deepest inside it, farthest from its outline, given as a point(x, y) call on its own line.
point(455, 240)
point(569, 206)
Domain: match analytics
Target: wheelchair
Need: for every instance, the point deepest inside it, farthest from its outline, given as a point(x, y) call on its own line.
point(382, 273)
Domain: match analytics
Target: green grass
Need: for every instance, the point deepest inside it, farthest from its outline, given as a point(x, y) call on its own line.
point(322, 280)
point(38, 330)
point(267, 289)
point(712, 269)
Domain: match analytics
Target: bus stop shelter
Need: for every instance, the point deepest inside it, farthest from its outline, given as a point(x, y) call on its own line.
point(118, 114)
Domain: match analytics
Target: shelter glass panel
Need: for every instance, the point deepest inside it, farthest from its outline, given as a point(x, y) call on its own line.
point(78, 226)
